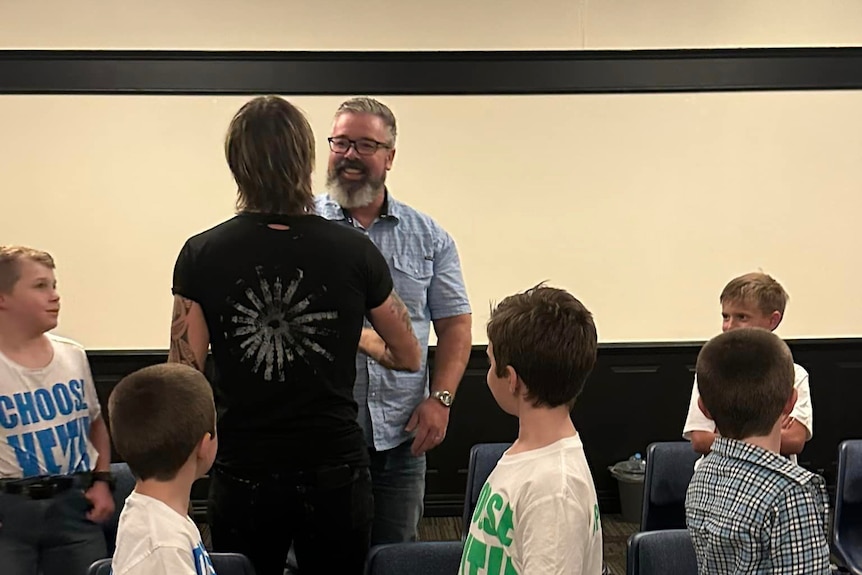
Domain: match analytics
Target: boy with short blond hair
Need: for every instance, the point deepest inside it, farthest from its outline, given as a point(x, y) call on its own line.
point(55, 453)
point(163, 423)
point(538, 512)
point(755, 300)
point(748, 509)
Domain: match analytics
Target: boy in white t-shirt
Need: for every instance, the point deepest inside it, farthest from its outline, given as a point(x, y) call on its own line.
point(538, 513)
point(55, 453)
point(755, 300)
point(163, 424)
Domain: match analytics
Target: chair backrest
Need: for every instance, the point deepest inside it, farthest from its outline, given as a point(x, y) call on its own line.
point(100, 567)
point(231, 564)
point(665, 552)
point(483, 458)
point(125, 485)
point(223, 563)
point(414, 558)
point(847, 524)
point(669, 467)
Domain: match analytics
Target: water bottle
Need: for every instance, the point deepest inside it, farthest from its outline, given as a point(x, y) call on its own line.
point(637, 462)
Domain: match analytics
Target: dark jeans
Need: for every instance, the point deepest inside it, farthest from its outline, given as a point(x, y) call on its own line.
point(399, 492)
point(48, 536)
point(326, 514)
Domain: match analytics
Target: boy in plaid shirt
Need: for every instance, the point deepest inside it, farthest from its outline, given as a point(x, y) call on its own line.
point(748, 509)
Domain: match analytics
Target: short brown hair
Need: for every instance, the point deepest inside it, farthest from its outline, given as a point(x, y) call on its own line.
point(549, 339)
point(758, 288)
point(270, 150)
point(366, 105)
point(10, 260)
point(745, 377)
point(158, 415)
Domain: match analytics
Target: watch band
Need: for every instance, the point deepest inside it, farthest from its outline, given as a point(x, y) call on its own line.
point(105, 476)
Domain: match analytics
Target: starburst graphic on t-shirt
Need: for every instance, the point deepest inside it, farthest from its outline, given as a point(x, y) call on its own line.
point(273, 329)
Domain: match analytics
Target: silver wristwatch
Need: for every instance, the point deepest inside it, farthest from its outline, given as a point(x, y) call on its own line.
point(444, 396)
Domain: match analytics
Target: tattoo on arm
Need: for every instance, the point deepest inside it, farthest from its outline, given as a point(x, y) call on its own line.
point(385, 355)
point(400, 310)
point(181, 350)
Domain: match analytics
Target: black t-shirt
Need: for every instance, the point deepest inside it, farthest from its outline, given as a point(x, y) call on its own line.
point(284, 310)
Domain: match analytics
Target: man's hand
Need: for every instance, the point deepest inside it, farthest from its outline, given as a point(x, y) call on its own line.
point(99, 495)
point(369, 341)
point(430, 420)
point(375, 347)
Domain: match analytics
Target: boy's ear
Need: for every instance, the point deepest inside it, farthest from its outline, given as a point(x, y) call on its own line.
point(774, 320)
point(513, 381)
point(206, 446)
point(703, 408)
point(791, 402)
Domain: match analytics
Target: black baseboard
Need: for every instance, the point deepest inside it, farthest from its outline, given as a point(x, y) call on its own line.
point(637, 394)
point(428, 73)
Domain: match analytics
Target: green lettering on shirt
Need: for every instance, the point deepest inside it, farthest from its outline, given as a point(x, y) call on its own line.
point(505, 526)
point(494, 517)
point(489, 524)
point(474, 555)
point(480, 504)
point(478, 556)
point(597, 519)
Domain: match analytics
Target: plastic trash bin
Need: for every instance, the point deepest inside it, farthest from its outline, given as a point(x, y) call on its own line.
point(630, 479)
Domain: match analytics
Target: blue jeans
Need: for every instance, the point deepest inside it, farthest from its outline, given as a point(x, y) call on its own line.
point(48, 536)
point(398, 481)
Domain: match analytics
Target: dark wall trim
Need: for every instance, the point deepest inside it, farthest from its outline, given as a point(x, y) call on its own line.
point(428, 73)
point(159, 355)
point(638, 393)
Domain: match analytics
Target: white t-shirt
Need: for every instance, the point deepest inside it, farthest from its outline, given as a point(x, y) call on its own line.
point(537, 514)
point(802, 412)
point(153, 539)
point(45, 414)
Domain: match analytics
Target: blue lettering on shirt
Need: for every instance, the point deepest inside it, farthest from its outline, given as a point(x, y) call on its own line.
point(63, 447)
point(203, 563)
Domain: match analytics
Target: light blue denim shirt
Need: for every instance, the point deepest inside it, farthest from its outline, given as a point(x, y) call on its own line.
point(426, 271)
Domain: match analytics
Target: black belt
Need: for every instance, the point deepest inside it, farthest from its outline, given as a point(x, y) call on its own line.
point(46, 486)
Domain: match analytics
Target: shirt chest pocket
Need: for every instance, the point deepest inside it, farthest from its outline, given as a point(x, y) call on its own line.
point(412, 276)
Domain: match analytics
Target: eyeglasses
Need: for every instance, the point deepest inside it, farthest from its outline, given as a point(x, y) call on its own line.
point(362, 147)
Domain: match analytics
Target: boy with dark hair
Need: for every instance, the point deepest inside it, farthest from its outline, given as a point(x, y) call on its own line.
point(163, 423)
point(748, 509)
point(538, 511)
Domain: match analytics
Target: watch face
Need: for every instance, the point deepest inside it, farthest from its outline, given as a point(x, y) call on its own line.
point(444, 396)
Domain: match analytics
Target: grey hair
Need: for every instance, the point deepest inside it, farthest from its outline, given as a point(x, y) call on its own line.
point(366, 105)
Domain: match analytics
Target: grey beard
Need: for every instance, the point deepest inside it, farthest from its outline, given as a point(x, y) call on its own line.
point(356, 198)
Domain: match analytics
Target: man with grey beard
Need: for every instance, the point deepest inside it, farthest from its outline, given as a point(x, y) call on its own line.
point(401, 417)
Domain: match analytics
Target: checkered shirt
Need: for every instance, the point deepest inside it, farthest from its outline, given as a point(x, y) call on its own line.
point(752, 511)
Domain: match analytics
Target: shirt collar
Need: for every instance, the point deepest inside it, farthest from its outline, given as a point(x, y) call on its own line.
point(736, 449)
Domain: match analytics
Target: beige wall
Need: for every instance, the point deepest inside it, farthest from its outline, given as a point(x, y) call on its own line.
point(643, 205)
point(436, 25)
